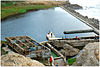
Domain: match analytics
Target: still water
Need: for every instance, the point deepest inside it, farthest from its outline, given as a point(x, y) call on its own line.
point(36, 24)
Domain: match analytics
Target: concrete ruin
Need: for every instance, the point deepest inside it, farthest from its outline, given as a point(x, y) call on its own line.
point(28, 47)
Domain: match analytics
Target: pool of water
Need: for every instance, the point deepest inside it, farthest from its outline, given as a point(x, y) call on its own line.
point(36, 24)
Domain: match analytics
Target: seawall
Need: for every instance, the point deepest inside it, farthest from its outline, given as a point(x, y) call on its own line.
point(93, 23)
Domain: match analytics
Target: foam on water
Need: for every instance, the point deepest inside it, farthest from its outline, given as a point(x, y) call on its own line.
point(91, 8)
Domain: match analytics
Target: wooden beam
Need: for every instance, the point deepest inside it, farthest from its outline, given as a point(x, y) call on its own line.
point(33, 39)
point(7, 38)
point(21, 42)
point(58, 58)
point(30, 42)
point(54, 50)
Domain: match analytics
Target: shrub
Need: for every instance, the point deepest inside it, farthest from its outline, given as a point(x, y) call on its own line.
point(6, 52)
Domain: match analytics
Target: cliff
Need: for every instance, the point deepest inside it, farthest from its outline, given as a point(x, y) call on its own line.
point(14, 59)
point(89, 55)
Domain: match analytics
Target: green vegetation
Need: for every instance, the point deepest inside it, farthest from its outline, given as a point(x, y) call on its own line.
point(42, 60)
point(3, 42)
point(6, 52)
point(54, 54)
point(45, 62)
point(2, 50)
point(3, 45)
point(71, 61)
point(23, 46)
point(12, 8)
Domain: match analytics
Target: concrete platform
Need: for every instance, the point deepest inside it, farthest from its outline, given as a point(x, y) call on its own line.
point(51, 36)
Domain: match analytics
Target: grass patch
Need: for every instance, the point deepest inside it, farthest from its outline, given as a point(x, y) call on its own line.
point(22, 11)
point(10, 9)
point(71, 61)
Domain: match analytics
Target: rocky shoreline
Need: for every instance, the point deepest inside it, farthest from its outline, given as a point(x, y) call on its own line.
point(89, 55)
point(15, 59)
point(67, 50)
point(92, 21)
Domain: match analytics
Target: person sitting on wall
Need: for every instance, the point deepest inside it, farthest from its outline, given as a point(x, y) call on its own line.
point(76, 37)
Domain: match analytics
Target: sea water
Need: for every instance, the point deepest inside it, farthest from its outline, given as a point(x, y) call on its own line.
point(37, 24)
point(91, 8)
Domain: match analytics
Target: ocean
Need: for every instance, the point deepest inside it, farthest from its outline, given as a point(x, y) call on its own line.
point(91, 8)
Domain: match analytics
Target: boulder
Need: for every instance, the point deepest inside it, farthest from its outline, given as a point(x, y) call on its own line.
point(14, 59)
point(69, 50)
point(58, 43)
point(89, 55)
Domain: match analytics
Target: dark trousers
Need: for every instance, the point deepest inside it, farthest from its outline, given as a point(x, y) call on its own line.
point(51, 63)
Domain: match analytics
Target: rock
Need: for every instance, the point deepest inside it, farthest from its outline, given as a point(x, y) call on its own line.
point(96, 52)
point(77, 43)
point(58, 44)
point(14, 59)
point(69, 50)
point(74, 6)
point(89, 55)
